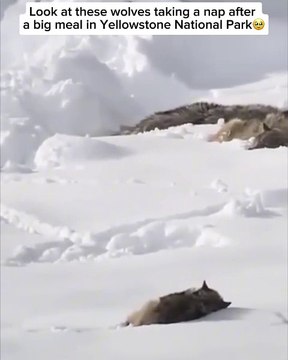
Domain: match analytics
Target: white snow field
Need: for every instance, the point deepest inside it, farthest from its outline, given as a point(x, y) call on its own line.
point(81, 85)
point(94, 225)
point(99, 226)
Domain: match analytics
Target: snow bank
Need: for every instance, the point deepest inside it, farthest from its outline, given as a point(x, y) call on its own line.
point(93, 85)
point(65, 150)
point(271, 90)
point(70, 92)
point(20, 137)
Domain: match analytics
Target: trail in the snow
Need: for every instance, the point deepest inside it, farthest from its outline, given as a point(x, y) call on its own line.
point(150, 235)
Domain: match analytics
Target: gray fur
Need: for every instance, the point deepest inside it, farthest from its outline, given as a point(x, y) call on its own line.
point(177, 307)
point(271, 138)
point(200, 113)
point(261, 130)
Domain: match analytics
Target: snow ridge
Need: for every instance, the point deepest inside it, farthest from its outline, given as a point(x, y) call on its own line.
point(148, 236)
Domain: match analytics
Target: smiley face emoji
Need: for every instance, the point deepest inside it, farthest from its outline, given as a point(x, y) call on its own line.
point(258, 24)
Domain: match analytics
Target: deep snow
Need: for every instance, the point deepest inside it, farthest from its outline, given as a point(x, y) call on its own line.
point(87, 240)
point(92, 227)
point(81, 85)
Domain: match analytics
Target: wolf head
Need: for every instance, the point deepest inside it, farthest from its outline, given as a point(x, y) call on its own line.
point(271, 138)
point(210, 298)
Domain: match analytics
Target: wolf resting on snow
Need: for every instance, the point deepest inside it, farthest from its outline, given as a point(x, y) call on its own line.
point(271, 132)
point(182, 306)
point(199, 113)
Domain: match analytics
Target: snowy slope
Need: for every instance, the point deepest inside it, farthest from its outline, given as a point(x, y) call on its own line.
point(61, 109)
point(100, 227)
point(92, 85)
point(92, 227)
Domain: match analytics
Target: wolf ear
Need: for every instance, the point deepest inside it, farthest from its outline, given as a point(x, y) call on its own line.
point(204, 286)
point(225, 304)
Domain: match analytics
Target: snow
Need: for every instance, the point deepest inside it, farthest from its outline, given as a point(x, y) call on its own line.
point(99, 226)
point(92, 85)
point(94, 225)
point(272, 86)
point(62, 150)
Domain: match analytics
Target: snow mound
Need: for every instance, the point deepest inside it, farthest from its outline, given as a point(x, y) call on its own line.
point(147, 239)
point(148, 236)
point(69, 92)
point(20, 138)
point(134, 239)
point(251, 205)
point(64, 150)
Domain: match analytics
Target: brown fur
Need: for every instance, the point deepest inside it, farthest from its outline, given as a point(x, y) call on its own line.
point(146, 315)
point(238, 129)
point(246, 129)
point(182, 306)
point(279, 121)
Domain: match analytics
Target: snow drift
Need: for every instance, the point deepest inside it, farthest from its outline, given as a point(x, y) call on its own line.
point(92, 228)
point(93, 85)
point(63, 150)
point(83, 246)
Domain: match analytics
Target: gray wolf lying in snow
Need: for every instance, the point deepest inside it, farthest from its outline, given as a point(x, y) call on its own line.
point(178, 307)
point(238, 129)
point(274, 126)
point(270, 138)
point(199, 113)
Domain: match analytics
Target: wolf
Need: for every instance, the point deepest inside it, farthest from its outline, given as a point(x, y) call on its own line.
point(238, 129)
point(271, 138)
point(279, 121)
point(199, 113)
point(187, 305)
point(252, 128)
